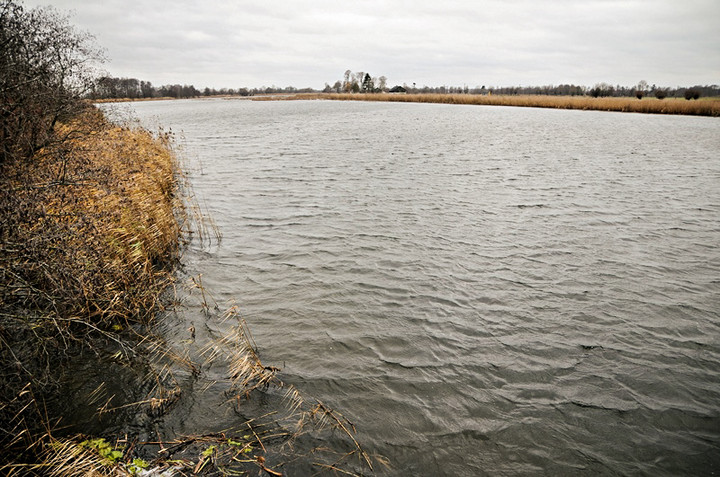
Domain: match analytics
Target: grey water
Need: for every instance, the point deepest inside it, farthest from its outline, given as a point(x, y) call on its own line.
point(481, 290)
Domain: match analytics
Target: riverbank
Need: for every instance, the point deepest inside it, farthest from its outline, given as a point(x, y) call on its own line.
point(647, 105)
point(701, 107)
point(91, 230)
point(132, 100)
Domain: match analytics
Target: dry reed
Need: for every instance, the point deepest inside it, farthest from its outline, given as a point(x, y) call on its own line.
point(704, 107)
point(89, 236)
point(89, 225)
point(295, 417)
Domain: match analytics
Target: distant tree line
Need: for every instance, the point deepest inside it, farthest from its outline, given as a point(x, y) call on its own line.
point(362, 82)
point(256, 91)
point(599, 90)
point(108, 87)
point(642, 89)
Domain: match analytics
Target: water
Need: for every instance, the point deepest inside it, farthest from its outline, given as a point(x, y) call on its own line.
point(482, 290)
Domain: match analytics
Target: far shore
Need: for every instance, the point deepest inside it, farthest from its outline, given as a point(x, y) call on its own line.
point(647, 105)
point(699, 107)
point(215, 96)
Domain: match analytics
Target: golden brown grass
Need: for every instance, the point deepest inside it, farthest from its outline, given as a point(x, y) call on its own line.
point(89, 236)
point(65, 458)
point(706, 107)
point(92, 229)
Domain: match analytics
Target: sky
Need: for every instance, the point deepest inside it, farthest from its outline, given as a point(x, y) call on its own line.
point(307, 43)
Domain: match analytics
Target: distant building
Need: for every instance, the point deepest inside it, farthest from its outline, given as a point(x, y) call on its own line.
point(398, 89)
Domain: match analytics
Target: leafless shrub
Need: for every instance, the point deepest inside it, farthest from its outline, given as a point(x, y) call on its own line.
point(45, 67)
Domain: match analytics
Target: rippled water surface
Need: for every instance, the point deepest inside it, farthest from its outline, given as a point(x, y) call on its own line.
point(482, 290)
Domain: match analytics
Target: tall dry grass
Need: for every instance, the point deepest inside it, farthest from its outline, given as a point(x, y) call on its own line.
point(706, 107)
point(90, 232)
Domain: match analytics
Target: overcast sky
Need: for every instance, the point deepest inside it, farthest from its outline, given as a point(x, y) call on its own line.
point(304, 43)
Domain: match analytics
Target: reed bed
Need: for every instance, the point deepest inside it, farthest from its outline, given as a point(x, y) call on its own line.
point(90, 232)
point(702, 107)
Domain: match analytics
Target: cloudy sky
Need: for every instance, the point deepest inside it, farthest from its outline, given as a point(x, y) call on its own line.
point(307, 43)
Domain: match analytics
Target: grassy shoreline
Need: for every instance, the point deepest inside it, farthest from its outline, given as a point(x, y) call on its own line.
point(90, 236)
point(648, 105)
point(702, 107)
point(132, 100)
point(92, 229)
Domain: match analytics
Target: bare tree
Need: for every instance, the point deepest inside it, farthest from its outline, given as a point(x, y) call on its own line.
point(347, 83)
point(358, 80)
point(382, 83)
point(147, 90)
point(45, 68)
point(641, 89)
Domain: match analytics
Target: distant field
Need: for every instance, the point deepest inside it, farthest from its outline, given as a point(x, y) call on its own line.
point(701, 107)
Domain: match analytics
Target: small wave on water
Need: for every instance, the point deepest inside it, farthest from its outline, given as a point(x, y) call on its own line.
point(479, 300)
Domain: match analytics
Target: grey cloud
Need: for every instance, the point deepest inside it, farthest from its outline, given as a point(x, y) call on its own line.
point(454, 42)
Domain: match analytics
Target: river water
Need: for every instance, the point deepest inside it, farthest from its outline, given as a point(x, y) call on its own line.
point(481, 290)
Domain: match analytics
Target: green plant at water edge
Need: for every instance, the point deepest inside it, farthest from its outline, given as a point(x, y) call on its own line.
point(245, 447)
point(111, 456)
point(209, 451)
point(205, 457)
point(136, 466)
point(107, 452)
